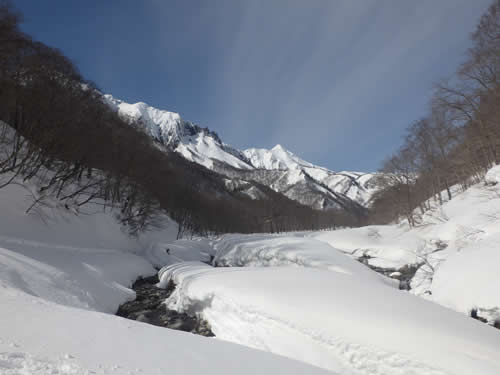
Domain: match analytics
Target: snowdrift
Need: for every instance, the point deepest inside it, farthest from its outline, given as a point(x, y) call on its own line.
point(40, 338)
point(456, 247)
point(59, 272)
point(336, 317)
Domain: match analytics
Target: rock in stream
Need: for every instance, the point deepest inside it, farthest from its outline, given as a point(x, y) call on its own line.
point(148, 307)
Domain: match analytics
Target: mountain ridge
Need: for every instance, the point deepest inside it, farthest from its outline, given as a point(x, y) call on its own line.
point(277, 168)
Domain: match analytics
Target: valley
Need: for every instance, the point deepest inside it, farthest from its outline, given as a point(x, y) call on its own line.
point(136, 242)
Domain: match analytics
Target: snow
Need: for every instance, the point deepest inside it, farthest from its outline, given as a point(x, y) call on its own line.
point(84, 260)
point(157, 122)
point(294, 176)
point(295, 295)
point(493, 175)
point(387, 246)
point(204, 147)
point(192, 142)
point(358, 186)
point(299, 295)
point(60, 281)
point(347, 322)
point(244, 187)
point(86, 278)
point(469, 279)
point(39, 338)
point(466, 219)
point(265, 250)
point(457, 243)
point(52, 226)
point(466, 277)
point(276, 158)
point(355, 185)
point(291, 295)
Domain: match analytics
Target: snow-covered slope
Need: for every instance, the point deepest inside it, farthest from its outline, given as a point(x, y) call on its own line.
point(291, 295)
point(42, 338)
point(287, 173)
point(62, 276)
point(276, 158)
point(357, 186)
point(194, 143)
point(455, 249)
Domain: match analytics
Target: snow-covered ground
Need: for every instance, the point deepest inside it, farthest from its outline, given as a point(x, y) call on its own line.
point(299, 295)
point(458, 245)
point(470, 279)
point(60, 276)
point(265, 250)
point(38, 337)
point(326, 309)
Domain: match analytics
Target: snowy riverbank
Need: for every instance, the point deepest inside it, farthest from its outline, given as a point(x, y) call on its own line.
point(58, 277)
point(327, 310)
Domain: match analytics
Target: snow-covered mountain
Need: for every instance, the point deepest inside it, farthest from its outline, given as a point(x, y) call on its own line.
point(276, 158)
point(196, 144)
point(357, 186)
point(276, 168)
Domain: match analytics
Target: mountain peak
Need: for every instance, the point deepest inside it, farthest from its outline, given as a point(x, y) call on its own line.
point(203, 146)
point(200, 145)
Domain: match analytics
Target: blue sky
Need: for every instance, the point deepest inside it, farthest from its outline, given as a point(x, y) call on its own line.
point(334, 81)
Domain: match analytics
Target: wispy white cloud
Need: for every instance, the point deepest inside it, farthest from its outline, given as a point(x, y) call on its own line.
point(324, 77)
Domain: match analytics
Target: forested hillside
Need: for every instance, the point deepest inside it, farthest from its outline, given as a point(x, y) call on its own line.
point(58, 131)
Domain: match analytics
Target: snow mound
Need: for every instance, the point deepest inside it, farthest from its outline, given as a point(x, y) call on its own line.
point(83, 260)
point(469, 279)
point(384, 246)
point(40, 338)
point(179, 251)
point(267, 250)
point(86, 278)
point(493, 175)
point(455, 245)
point(333, 320)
